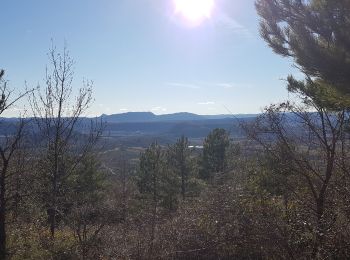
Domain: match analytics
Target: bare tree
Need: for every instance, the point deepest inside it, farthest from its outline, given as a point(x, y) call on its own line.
point(58, 118)
point(9, 145)
point(307, 140)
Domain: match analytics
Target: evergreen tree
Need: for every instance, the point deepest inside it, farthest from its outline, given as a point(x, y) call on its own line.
point(315, 34)
point(87, 182)
point(155, 180)
point(88, 213)
point(214, 153)
point(158, 185)
point(178, 158)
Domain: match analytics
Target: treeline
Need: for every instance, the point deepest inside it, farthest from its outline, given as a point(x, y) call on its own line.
point(281, 194)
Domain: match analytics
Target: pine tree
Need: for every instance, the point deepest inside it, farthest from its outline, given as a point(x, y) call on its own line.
point(87, 196)
point(158, 185)
point(155, 180)
point(214, 153)
point(178, 158)
point(315, 34)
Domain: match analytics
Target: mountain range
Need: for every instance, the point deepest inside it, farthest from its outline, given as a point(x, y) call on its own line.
point(143, 117)
point(140, 124)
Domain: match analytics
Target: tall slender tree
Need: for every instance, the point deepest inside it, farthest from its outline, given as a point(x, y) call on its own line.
point(158, 185)
point(178, 156)
point(57, 115)
point(9, 146)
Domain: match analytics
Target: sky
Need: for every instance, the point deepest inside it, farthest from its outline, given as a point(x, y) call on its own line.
point(144, 55)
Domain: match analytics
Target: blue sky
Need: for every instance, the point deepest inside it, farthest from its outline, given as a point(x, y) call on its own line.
point(143, 57)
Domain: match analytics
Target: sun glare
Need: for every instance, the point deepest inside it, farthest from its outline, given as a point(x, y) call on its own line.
point(194, 11)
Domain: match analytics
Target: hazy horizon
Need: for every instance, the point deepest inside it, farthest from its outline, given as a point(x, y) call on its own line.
point(156, 114)
point(145, 56)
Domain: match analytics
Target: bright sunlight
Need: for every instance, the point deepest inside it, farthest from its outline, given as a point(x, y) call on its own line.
point(194, 11)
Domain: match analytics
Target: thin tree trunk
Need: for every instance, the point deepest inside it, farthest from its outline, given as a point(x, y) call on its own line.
point(3, 252)
point(154, 213)
point(183, 188)
point(54, 201)
point(320, 204)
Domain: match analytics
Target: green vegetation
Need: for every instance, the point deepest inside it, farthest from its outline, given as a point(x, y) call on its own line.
point(281, 193)
point(315, 34)
point(214, 153)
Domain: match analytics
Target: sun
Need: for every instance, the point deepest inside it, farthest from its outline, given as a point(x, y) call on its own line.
point(194, 11)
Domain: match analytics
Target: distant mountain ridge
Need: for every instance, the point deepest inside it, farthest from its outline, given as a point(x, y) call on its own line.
point(141, 124)
point(142, 117)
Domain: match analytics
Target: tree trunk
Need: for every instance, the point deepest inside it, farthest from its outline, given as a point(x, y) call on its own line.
point(52, 212)
point(320, 204)
point(2, 216)
point(183, 187)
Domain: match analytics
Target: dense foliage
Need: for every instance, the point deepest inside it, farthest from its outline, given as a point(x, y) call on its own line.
point(315, 33)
